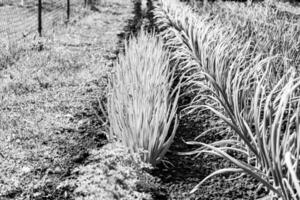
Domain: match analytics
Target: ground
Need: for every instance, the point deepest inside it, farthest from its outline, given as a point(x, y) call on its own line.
point(50, 93)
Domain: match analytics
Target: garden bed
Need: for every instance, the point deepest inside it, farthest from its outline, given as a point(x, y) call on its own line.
point(54, 127)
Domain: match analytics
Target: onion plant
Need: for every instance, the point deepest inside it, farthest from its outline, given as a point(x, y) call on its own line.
point(142, 102)
point(268, 131)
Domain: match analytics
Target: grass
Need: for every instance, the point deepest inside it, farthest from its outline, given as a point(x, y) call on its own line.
point(142, 105)
point(20, 24)
point(40, 94)
point(48, 107)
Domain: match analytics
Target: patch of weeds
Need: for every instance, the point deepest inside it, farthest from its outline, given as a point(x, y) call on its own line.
point(10, 53)
point(117, 172)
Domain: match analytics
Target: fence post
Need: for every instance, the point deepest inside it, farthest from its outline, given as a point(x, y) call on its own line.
point(68, 10)
point(40, 18)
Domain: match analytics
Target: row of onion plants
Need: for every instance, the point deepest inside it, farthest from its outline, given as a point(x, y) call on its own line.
point(247, 79)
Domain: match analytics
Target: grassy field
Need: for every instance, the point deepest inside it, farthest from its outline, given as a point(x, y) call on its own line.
point(19, 23)
point(49, 117)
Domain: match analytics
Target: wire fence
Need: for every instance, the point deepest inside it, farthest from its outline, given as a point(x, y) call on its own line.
point(22, 19)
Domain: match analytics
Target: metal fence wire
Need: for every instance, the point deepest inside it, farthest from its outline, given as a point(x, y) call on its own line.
point(21, 19)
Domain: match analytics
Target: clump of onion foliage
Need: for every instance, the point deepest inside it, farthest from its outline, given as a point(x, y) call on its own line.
point(142, 101)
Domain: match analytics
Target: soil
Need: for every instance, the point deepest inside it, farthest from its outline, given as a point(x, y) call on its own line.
point(184, 172)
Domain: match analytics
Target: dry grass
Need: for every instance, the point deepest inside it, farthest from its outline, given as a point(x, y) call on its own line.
point(46, 100)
